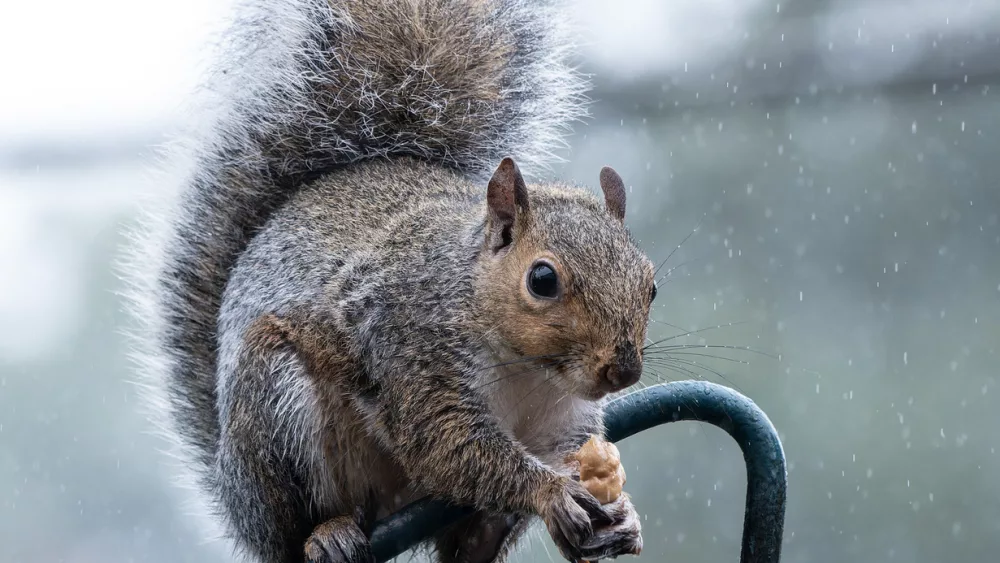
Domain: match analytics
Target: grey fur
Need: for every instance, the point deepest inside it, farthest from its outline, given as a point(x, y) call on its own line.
point(322, 321)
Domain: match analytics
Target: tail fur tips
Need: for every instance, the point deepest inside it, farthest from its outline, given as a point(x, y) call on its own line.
point(459, 82)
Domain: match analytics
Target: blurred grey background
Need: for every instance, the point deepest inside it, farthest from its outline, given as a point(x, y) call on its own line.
point(840, 160)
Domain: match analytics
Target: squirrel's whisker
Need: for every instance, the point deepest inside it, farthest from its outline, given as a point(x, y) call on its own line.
point(692, 365)
point(556, 359)
point(676, 248)
point(508, 376)
point(522, 360)
point(690, 332)
point(680, 328)
point(711, 356)
point(673, 348)
point(666, 275)
point(682, 371)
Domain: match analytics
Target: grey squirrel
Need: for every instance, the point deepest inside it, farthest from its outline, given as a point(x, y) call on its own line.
point(359, 300)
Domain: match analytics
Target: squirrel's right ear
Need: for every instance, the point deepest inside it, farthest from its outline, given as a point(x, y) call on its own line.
point(506, 196)
point(614, 193)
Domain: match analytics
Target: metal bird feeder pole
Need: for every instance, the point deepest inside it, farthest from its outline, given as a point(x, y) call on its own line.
point(764, 515)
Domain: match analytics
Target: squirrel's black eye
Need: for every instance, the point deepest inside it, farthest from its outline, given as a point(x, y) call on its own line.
point(653, 296)
point(542, 281)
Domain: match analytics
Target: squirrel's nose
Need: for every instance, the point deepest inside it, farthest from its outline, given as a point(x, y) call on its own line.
point(625, 370)
point(620, 376)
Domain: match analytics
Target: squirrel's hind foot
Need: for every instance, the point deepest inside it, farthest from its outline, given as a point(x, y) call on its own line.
point(338, 540)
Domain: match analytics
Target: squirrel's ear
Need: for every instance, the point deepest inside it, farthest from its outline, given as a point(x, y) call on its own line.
point(506, 196)
point(614, 193)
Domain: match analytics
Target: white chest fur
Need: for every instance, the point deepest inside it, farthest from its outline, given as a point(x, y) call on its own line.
point(533, 408)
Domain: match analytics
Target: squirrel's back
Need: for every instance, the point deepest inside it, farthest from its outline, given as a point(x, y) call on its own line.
point(303, 88)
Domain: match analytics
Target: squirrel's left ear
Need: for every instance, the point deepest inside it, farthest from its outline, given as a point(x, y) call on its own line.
point(614, 193)
point(506, 198)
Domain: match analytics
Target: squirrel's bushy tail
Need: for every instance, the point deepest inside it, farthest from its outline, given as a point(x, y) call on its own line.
point(307, 86)
point(316, 84)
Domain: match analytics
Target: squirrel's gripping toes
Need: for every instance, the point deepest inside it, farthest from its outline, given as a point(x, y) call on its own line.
point(360, 297)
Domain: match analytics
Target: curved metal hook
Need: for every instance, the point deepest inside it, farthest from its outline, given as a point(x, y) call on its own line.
point(764, 517)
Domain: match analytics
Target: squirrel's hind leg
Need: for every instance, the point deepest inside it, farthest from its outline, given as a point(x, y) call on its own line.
point(480, 538)
point(270, 456)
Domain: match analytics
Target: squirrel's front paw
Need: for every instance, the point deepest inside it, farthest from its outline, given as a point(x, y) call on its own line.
point(339, 540)
point(624, 536)
point(571, 514)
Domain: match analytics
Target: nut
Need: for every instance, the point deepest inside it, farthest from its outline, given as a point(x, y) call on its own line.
point(601, 471)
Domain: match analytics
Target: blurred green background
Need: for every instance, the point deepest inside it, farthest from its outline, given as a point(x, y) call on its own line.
point(840, 159)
